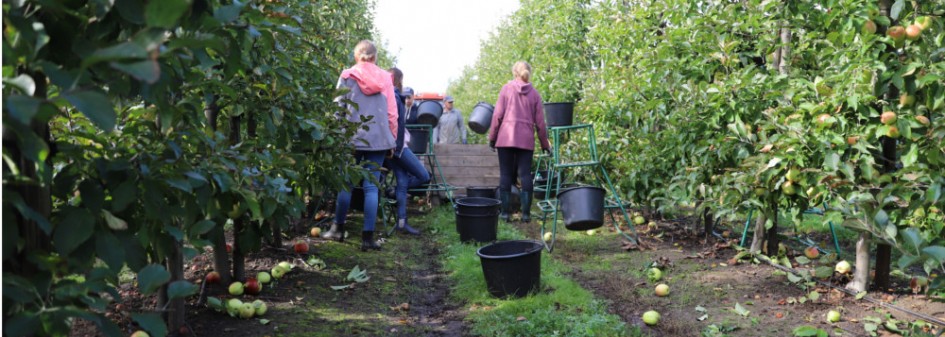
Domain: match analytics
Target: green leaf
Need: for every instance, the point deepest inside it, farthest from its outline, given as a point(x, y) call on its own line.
point(148, 70)
point(76, 226)
point(823, 272)
point(23, 82)
point(95, 106)
point(165, 13)
point(897, 9)
point(912, 236)
point(202, 227)
point(114, 222)
point(881, 219)
point(121, 51)
point(123, 195)
point(228, 13)
point(151, 322)
point(741, 310)
point(182, 288)
point(181, 184)
point(832, 161)
point(794, 278)
point(263, 321)
point(805, 331)
point(151, 278)
point(813, 296)
point(22, 108)
point(936, 252)
point(110, 250)
point(891, 231)
point(910, 157)
point(802, 260)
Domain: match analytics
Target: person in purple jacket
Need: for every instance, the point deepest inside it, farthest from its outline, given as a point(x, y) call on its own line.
point(518, 114)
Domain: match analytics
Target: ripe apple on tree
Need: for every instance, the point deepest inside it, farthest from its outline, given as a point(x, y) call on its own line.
point(869, 27)
point(888, 118)
point(924, 22)
point(897, 33)
point(913, 32)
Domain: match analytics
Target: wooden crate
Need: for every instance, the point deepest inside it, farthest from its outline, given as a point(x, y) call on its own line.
point(467, 165)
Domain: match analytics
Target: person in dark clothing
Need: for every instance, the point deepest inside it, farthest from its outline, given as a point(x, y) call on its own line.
point(408, 170)
point(518, 115)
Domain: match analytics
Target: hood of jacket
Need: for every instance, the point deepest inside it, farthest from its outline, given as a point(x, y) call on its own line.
point(521, 87)
point(370, 78)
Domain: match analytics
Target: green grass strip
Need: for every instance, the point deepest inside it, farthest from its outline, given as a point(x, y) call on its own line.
point(561, 308)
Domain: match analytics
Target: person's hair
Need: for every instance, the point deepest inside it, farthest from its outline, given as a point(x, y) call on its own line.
point(397, 77)
point(365, 51)
point(522, 70)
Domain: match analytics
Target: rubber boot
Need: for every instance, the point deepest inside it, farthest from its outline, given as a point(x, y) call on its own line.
point(504, 207)
point(367, 241)
point(336, 232)
point(526, 199)
point(403, 227)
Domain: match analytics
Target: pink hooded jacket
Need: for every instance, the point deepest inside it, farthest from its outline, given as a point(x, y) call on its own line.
point(373, 80)
point(518, 114)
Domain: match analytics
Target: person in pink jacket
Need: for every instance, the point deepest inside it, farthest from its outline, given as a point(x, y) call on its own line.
point(371, 90)
point(518, 115)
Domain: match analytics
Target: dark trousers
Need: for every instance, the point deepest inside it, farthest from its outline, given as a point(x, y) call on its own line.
point(515, 164)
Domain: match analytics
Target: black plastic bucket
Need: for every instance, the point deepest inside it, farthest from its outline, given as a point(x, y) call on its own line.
point(477, 219)
point(481, 118)
point(512, 268)
point(582, 208)
point(428, 112)
point(559, 114)
point(481, 192)
point(419, 140)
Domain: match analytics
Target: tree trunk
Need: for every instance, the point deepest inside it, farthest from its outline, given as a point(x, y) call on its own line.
point(239, 265)
point(785, 55)
point(861, 275)
point(276, 233)
point(221, 259)
point(759, 236)
point(36, 196)
point(211, 113)
point(175, 309)
point(888, 160)
point(707, 222)
point(771, 235)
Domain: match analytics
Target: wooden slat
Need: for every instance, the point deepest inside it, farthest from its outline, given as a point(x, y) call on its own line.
point(462, 150)
point(468, 161)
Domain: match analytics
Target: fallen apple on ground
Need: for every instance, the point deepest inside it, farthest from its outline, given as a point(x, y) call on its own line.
point(213, 277)
point(252, 286)
point(247, 310)
point(236, 288)
point(843, 267)
point(140, 333)
point(654, 274)
point(811, 252)
point(260, 307)
point(833, 316)
point(662, 290)
point(651, 317)
point(263, 277)
point(316, 231)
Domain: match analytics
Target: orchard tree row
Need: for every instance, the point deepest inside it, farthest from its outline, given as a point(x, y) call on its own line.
point(134, 131)
point(767, 106)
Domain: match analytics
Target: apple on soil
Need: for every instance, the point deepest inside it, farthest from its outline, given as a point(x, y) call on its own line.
point(213, 277)
point(277, 272)
point(247, 310)
point(316, 232)
point(662, 290)
point(260, 307)
point(651, 317)
point(263, 277)
point(236, 289)
point(252, 286)
point(140, 333)
point(843, 267)
point(301, 247)
point(833, 316)
point(811, 252)
point(654, 274)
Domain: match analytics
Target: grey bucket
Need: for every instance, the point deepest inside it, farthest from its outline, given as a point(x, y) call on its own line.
point(481, 118)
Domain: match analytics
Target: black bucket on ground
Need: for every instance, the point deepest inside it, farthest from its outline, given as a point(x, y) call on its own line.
point(481, 117)
point(481, 192)
point(419, 140)
point(582, 208)
point(512, 268)
point(428, 112)
point(559, 114)
point(477, 219)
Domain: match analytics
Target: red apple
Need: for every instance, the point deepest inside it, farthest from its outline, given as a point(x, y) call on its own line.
point(888, 118)
point(811, 252)
point(922, 120)
point(897, 33)
point(893, 132)
point(213, 277)
point(869, 27)
point(301, 247)
point(252, 286)
point(913, 32)
point(229, 248)
point(852, 140)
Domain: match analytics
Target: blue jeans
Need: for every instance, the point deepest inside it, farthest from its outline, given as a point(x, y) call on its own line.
point(410, 173)
point(372, 161)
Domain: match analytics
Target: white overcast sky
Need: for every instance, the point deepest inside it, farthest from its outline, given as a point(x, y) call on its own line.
point(434, 39)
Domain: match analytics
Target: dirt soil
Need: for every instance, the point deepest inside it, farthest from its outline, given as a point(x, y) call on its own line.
point(705, 287)
point(406, 295)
